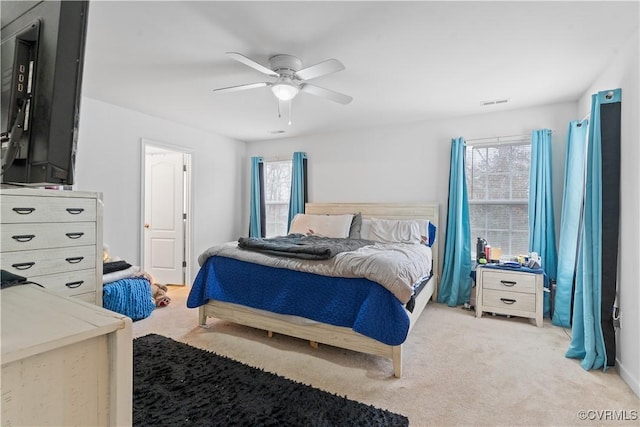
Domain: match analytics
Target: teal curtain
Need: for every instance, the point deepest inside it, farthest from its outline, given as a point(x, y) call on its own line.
point(571, 221)
point(542, 228)
point(298, 196)
point(256, 208)
point(588, 338)
point(455, 286)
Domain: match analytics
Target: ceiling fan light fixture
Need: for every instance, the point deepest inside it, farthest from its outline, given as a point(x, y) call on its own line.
point(285, 90)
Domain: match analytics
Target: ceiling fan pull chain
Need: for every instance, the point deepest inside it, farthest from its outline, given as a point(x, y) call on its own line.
point(278, 102)
point(289, 112)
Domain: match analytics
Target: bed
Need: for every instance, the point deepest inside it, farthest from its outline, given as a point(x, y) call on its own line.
point(215, 298)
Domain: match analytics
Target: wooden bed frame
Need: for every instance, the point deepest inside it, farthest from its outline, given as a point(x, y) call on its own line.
point(317, 332)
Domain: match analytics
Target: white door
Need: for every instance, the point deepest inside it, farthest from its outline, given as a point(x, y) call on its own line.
point(164, 228)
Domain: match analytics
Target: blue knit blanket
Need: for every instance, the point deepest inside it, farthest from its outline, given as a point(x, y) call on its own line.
point(131, 297)
point(356, 303)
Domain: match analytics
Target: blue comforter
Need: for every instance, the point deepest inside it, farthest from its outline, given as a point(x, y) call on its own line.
point(356, 303)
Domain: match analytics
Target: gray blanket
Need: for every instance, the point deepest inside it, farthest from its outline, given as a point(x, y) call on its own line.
point(396, 266)
point(301, 246)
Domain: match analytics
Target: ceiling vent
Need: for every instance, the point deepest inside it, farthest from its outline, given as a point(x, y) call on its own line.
point(494, 102)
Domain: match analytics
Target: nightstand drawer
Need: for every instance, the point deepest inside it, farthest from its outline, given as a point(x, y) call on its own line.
point(508, 300)
point(508, 281)
point(512, 292)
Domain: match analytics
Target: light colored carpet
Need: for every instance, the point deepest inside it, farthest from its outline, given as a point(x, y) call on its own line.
point(457, 370)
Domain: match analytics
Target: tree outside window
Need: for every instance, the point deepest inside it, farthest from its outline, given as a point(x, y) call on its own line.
point(498, 189)
point(277, 191)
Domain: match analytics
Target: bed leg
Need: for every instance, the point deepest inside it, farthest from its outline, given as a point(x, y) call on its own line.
point(270, 334)
point(202, 318)
point(313, 344)
point(397, 361)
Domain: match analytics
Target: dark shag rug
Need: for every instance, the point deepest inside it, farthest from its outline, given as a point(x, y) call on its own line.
point(176, 384)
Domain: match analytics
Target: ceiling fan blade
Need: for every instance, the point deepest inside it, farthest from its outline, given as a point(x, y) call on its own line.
point(251, 63)
point(326, 93)
point(241, 87)
point(323, 68)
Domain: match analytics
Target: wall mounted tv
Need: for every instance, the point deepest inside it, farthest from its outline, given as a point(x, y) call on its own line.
point(42, 56)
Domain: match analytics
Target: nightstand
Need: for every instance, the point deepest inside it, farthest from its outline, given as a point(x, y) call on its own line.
point(510, 291)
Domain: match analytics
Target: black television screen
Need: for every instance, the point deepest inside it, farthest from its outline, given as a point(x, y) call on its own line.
point(42, 57)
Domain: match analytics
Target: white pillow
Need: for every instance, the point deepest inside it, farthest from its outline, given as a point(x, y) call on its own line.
point(366, 226)
point(394, 231)
point(322, 225)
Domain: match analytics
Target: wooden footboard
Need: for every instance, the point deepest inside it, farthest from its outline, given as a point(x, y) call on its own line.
point(315, 331)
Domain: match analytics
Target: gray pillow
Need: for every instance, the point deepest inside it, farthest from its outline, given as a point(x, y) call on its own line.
point(356, 226)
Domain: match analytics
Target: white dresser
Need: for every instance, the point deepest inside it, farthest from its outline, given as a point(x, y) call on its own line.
point(64, 361)
point(54, 238)
point(510, 292)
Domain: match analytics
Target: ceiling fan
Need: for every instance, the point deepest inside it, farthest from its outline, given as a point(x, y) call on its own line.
point(291, 78)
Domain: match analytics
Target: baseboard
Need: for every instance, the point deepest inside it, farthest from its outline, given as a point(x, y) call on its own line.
point(632, 382)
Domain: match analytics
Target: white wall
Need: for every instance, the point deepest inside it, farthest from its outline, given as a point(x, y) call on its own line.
point(109, 161)
point(623, 73)
point(410, 163)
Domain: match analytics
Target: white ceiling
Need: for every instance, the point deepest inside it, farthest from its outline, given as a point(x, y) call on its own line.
point(405, 61)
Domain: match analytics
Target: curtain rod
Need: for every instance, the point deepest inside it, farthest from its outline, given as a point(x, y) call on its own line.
point(502, 139)
point(509, 138)
point(277, 158)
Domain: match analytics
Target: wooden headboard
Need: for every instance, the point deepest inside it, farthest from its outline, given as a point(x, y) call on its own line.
point(385, 211)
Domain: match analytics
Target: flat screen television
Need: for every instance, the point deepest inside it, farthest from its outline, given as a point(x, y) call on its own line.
point(42, 57)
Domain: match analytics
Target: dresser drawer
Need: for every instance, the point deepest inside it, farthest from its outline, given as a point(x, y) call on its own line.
point(89, 297)
point(21, 209)
point(502, 301)
point(70, 283)
point(49, 261)
point(23, 237)
point(505, 280)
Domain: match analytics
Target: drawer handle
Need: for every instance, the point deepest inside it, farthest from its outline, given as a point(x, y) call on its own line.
point(23, 237)
point(23, 265)
point(508, 301)
point(75, 211)
point(74, 285)
point(74, 260)
point(508, 283)
point(23, 211)
point(74, 235)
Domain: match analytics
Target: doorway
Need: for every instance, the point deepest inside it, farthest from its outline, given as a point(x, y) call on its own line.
point(166, 213)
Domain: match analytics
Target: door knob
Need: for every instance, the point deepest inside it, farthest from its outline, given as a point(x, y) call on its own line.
point(146, 226)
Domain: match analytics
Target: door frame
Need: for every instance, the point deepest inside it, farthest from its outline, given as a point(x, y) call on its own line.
point(188, 191)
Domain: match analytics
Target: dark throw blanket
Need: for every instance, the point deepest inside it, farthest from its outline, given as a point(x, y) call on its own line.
point(113, 266)
point(301, 246)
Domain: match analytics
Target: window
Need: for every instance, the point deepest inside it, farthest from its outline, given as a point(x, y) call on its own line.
point(498, 189)
point(277, 190)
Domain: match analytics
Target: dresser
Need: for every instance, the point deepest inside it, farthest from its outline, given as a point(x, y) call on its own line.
point(511, 292)
point(54, 238)
point(64, 361)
